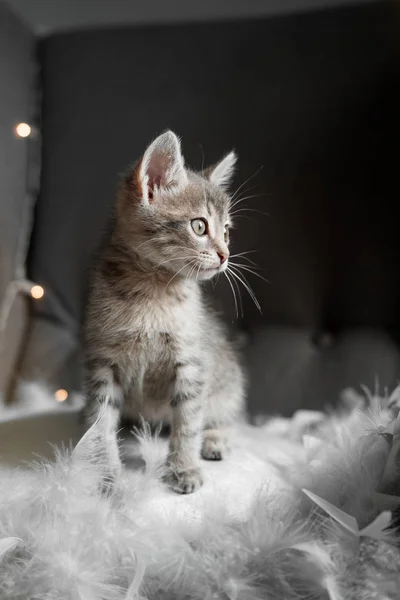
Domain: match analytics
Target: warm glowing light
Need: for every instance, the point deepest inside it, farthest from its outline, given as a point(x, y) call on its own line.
point(23, 130)
point(37, 292)
point(61, 395)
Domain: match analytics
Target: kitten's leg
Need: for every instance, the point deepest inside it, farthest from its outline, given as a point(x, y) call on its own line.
point(215, 443)
point(104, 393)
point(183, 473)
point(224, 408)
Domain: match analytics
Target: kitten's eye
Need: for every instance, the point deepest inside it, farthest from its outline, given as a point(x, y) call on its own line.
point(226, 233)
point(199, 226)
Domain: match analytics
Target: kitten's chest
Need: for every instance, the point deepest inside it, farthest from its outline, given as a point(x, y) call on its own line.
point(152, 334)
point(167, 335)
point(177, 315)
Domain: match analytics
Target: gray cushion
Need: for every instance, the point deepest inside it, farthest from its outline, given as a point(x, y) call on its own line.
point(292, 369)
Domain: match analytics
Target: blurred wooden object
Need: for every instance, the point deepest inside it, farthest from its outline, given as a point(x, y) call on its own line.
point(12, 342)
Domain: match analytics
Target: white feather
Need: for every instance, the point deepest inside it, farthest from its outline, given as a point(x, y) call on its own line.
point(7, 544)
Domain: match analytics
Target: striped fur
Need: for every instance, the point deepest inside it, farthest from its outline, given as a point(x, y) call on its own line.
point(153, 349)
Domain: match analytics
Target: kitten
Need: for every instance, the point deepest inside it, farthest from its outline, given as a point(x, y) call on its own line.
point(152, 346)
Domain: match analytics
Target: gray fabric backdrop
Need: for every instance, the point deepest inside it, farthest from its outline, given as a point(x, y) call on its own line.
point(313, 98)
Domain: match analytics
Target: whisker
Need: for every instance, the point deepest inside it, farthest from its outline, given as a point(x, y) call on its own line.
point(246, 191)
point(248, 288)
point(242, 199)
point(245, 252)
point(177, 273)
point(192, 268)
point(198, 271)
point(235, 283)
point(248, 260)
point(186, 248)
point(247, 180)
point(246, 268)
point(215, 280)
point(253, 265)
point(233, 292)
point(247, 209)
point(245, 264)
point(143, 243)
point(243, 257)
point(176, 258)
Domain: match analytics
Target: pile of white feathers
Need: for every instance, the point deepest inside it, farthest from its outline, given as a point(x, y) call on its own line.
point(301, 509)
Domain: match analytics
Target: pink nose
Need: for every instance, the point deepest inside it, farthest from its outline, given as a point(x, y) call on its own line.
point(222, 257)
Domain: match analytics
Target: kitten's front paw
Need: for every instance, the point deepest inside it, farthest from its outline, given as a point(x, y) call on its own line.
point(214, 446)
point(183, 481)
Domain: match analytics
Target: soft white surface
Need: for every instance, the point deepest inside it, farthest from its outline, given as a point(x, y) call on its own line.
point(249, 533)
point(230, 486)
point(37, 422)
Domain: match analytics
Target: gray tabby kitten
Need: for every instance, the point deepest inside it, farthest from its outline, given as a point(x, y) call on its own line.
point(153, 349)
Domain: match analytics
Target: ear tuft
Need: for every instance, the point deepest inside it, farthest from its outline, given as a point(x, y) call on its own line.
point(162, 167)
point(222, 173)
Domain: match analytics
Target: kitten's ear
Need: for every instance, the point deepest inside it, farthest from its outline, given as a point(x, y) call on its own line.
point(162, 167)
point(221, 173)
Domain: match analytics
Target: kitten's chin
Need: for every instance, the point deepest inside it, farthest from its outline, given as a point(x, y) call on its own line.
point(210, 273)
point(202, 274)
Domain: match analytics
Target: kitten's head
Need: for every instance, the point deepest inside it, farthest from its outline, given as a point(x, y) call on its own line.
point(174, 218)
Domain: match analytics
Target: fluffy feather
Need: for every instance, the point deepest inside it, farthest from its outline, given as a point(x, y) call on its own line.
point(61, 539)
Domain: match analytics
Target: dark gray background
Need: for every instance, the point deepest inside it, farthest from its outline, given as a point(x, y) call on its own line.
point(313, 98)
point(46, 17)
